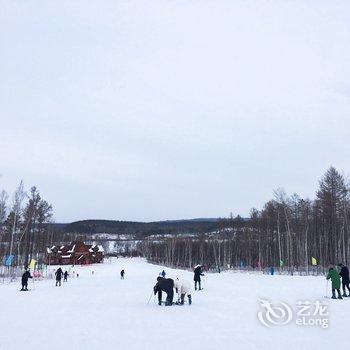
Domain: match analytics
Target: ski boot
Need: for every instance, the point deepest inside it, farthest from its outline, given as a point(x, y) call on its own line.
point(189, 299)
point(339, 295)
point(159, 302)
point(168, 303)
point(333, 295)
point(344, 295)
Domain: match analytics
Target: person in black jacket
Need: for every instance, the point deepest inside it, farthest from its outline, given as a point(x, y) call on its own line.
point(122, 273)
point(345, 279)
point(65, 276)
point(197, 276)
point(166, 285)
point(59, 274)
point(25, 277)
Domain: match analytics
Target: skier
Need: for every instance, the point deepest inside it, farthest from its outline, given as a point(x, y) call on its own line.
point(163, 274)
point(122, 273)
point(197, 276)
point(335, 278)
point(58, 275)
point(182, 288)
point(166, 285)
point(65, 276)
point(272, 270)
point(25, 277)
point(345, 279)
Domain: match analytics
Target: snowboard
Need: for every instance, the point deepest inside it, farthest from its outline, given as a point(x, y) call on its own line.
point(175, 303)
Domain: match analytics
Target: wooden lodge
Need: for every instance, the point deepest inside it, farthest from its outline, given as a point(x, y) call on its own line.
point(77, 253)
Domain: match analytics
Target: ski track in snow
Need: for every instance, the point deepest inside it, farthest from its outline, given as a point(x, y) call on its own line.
point(101, 311)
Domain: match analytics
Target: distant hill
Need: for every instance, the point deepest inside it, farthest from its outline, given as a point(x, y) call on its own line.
point(196, 225)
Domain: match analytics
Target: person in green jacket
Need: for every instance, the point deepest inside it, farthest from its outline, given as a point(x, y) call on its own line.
point(333, 275)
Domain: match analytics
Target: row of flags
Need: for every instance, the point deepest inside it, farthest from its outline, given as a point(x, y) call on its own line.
point(314, 262)
point(10, 259)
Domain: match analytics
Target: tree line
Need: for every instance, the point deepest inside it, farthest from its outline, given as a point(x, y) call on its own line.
point(289, 232)
point(25, 229)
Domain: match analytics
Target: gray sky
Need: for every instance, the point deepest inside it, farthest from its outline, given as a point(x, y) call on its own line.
point(148, 110)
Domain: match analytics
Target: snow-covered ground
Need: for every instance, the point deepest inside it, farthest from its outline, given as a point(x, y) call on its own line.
point(101, 311)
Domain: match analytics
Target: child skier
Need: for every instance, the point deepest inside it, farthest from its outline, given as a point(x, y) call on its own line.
point(197, 276)
point(166, 285)
point(122, 273)
point(182, 288)
point(335, 278)
point(25, 277)
point(345, 279)
point(65, 276)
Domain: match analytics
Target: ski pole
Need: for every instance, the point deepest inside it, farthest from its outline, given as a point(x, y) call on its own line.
point(150, 298)
point(326, 294)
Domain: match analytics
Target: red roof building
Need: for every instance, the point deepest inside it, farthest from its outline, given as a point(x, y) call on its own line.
point(77, 253)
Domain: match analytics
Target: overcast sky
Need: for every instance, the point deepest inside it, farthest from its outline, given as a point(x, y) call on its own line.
point(149, 110)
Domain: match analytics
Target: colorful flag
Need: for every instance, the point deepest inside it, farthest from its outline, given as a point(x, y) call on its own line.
point(313, 261)
point(9, 260)
point(32, 264)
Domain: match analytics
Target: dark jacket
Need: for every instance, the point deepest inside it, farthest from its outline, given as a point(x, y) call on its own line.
point(164, 284)
point(198, 273)
point(65, 274)
point(25, 277)
point(122, 272)
point(344, 274)
point(59, 274)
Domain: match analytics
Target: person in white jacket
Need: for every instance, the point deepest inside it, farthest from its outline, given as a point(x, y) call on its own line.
point(183, 287)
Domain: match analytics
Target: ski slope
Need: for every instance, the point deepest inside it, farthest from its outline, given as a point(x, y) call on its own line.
point(100, 311)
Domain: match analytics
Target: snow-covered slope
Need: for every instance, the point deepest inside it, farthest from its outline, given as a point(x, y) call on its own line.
point(100, 311)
